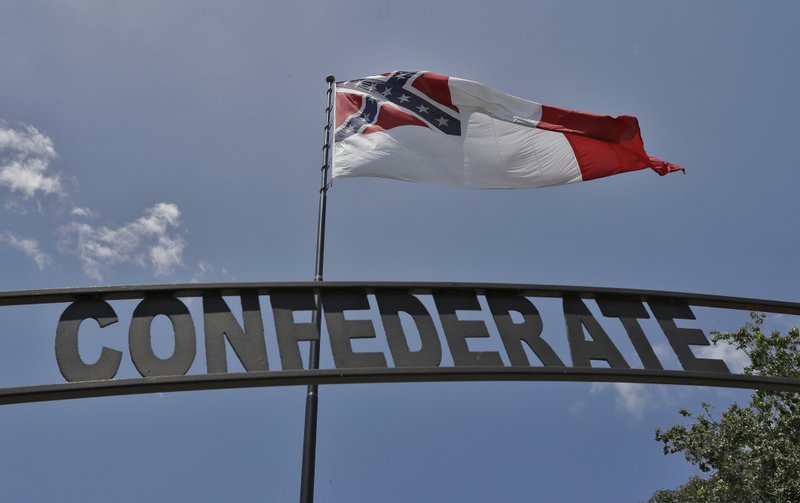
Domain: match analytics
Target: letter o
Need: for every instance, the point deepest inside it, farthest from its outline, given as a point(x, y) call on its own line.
point(140, 339)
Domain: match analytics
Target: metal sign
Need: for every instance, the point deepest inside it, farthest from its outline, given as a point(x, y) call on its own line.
point(435, 315)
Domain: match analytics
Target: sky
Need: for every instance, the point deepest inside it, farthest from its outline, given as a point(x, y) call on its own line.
point(176, 141)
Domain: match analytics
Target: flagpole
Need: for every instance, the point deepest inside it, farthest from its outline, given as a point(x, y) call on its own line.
point(312, 398)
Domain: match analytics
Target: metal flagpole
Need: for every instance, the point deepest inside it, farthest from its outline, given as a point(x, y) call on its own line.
point(312, 400)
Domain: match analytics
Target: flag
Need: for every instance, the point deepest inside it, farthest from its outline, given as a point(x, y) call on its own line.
point(429, 128)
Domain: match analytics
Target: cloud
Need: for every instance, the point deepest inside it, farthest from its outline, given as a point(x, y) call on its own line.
point(203, 267)
point(632, 398)
point(82, 212)
point(663, 352)
point(149, 240)
point(25, 156)
point(736, 359)
point(205, 270)
point(578, 408)
point(29, 247)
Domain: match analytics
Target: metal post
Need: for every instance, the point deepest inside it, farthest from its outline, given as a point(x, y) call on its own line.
point(312, 400)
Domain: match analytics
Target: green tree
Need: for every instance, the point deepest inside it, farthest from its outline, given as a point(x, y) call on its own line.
point(751, 453)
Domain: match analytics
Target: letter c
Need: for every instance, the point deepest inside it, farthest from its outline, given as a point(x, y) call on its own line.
point(72, 367)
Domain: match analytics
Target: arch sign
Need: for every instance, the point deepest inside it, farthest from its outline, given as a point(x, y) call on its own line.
point(378, 332)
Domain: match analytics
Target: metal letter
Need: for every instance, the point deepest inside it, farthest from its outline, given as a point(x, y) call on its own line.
point(577, 316)
point(140, 340)
point(289, 333)
point(341, 331)
point(681, 338)
point(390, 304)
point(458, 331)
point(220, 324)
point(628, 311)
point(72, 367)
point(514, 334)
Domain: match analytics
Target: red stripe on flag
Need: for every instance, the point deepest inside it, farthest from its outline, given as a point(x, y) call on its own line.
point(389, 116)
point(346, 105)
point(603, 145)
point(597, 158)
point(601, 127)
point(436, 87)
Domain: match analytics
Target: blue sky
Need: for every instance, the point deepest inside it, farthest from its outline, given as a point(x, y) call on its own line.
point(161, 142)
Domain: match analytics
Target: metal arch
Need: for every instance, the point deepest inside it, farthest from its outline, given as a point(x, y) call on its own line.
point(257, 378)
point(128, 292)
point(29, 394)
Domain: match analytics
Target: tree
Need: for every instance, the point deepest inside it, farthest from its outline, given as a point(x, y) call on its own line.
point(751, 453)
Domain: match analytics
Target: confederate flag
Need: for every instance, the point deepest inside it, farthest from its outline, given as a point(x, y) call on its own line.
point(429, 128)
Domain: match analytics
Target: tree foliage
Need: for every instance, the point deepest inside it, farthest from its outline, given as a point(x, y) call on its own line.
point(751, 453)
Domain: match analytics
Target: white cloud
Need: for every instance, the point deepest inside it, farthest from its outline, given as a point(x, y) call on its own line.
point(167, 254)
point(736, 359)
point(30, 247)
point(82, 212)
point(227, 275)
point(631, 398)
point(203, 267)
point(25, 156)
point(150, 240)
point(663, 352)
point(207, 272)
point(634, 399)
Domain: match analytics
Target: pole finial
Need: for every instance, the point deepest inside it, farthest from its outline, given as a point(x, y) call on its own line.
point(330, 78)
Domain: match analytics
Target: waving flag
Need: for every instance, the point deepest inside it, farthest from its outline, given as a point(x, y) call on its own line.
point(430, 128)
